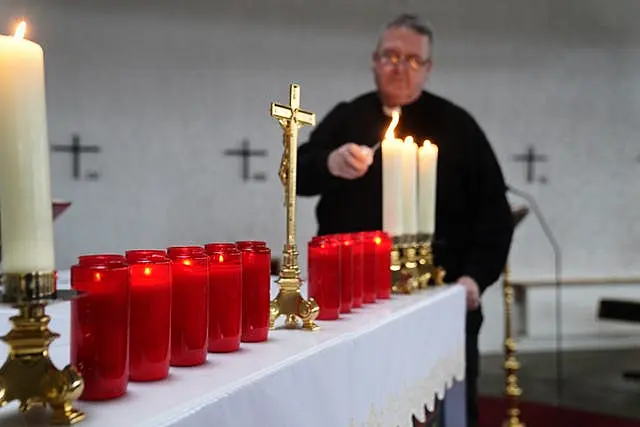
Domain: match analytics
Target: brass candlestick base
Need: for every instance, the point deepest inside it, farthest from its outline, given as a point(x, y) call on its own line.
point(428, 272)
point(289, 301)
point(404, 265)
point(511, 364)
point(28, 375)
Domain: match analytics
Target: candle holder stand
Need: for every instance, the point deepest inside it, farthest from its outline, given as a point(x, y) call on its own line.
point(428, 272)
point(511, 365)
point(289, 302)
point(28, 374)
point(404, 265)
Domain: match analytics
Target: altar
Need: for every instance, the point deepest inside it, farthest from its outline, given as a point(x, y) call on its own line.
point(374, 367)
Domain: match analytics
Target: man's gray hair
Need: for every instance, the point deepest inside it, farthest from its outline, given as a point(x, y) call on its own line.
point(412, 22)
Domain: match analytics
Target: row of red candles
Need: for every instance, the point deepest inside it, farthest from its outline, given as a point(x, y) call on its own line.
point(148, 310)
point(348, 270)
point(151, 309)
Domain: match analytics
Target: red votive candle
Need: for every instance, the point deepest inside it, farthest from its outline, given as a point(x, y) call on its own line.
point(100, 326)
point(243, 244)
point(369, 271)
point(383, 264)
point(150, 345)
point(103, 259)
point(225, 299)
point(211, 248)
point(358, 269)
point(256, 289)
point(346, 272)
point(144, 253)
point(323, 264)
point(189, 305)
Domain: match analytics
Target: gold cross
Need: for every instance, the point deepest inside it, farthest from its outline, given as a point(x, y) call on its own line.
point(291, 118)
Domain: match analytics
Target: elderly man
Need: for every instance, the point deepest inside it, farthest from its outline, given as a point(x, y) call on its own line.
point(474, 227)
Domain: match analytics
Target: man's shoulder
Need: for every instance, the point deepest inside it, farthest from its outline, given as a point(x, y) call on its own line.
point(446, 106)
point(360, 104)
point(365, 100)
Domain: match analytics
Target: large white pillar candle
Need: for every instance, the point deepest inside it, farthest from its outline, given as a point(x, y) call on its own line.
point(392, 216)
point(410, 186)
point(25, 182)
point(427, 169)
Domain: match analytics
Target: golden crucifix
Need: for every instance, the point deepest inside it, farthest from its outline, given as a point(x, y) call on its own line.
point(291, 118)
point(289, 301)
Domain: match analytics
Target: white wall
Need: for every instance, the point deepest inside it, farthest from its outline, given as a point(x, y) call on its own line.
point(165, 87)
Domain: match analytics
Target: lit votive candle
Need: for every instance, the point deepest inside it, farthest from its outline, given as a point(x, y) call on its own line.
point(150, 345)
point(189, 305)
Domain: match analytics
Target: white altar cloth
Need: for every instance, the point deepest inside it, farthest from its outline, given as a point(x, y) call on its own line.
point(374, 367)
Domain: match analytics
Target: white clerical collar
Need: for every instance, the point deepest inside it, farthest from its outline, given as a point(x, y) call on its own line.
point(388, 111)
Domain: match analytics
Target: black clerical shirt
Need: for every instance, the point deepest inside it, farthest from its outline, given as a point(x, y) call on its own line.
point(473, 218)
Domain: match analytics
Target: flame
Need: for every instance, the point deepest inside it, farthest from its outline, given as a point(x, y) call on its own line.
point(395, 118)
point(20, 31)
point(187, 262)
point(147, 271)
point(221, 258)
point(98, 277)
point(377, 240)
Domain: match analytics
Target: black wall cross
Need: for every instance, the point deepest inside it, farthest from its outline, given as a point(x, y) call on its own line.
point(530, 158)
point(246, 153)
point(76, 149)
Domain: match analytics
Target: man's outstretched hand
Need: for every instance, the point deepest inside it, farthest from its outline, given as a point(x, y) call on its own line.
point(350, 161)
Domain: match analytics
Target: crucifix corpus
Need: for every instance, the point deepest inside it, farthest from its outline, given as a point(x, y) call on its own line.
point(289, 301)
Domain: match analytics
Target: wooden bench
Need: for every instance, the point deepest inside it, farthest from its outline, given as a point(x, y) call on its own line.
point(535, 316)
point(625, 311)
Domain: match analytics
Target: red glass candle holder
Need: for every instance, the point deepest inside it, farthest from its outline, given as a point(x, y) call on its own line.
point(358, 269)
point(100, 326)
point(243, 244)
point(189, 305)
point(174, 251)
point(101, 259)
point(346, 271)
point(256, 292)
point(225, 299)
point(323, 264)
point(211, 248)
point(369, 271)
point(150, 345)
point(383, 277)
point(135, 254)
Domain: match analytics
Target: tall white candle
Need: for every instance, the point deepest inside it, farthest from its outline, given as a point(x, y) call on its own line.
point(427, 168)
point(410, 186)
point(392, 180)
point(25, 183)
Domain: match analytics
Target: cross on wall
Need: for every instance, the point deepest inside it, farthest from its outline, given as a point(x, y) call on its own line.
point(246, 153)
point(531, 158)
point(76, 149)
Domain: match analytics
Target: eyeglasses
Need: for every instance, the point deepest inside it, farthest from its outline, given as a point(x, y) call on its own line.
point(391, 58)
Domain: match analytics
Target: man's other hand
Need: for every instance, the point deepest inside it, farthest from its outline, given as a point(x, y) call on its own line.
point(350, 161)
point(473, 292)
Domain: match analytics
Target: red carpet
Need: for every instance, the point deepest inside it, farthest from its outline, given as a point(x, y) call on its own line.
point(493, 410)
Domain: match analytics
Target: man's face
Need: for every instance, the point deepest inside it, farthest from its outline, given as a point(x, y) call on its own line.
point(401, 65)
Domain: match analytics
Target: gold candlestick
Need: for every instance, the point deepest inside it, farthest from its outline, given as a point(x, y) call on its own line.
point(511, 364)
point(404, 265)
point(28, 375)
point(429, 273)
point(289, 301)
